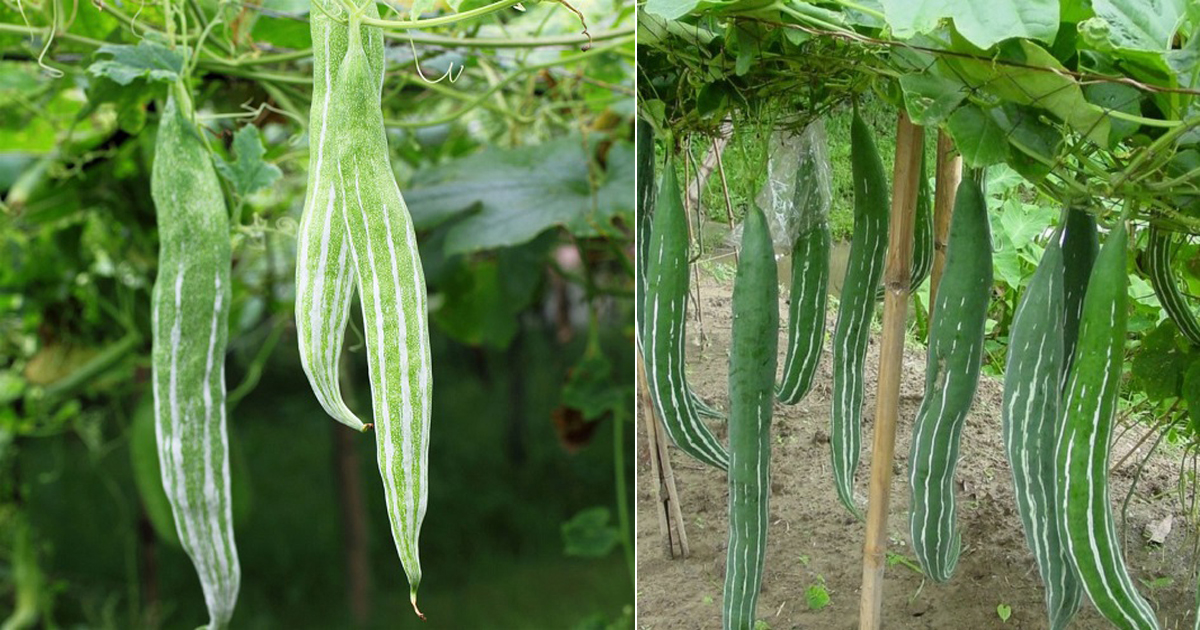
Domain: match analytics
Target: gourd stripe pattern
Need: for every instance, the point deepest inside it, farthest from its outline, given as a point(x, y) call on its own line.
point(922, 262)
point(666, 312)
point(645, 207)
point(1082, 446)
point(951, 376)
point(864, 272)
point(190, 315)
point(752, 356)
point(1158, 255)
point(922, 251)
point(1080, 244)
point(704, 408)
point(1032, 399)
point(391, 287)
point(806, 313)
point(325, 277)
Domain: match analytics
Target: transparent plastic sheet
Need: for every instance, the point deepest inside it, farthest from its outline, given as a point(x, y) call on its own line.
point(798, 191)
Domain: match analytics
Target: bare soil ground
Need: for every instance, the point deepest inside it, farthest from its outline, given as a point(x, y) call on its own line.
point(813, 539)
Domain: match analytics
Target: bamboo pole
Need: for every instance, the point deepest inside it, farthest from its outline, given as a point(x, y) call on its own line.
point(949, 174)
point(905, 178)
point(667, 508)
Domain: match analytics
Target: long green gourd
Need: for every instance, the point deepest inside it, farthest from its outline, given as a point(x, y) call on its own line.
point(951, 376)
point(1080, 244)
point(922, 251)
point(752, 355)
point(325, 277)
point(391, 286)
point(666, 312)
point(190, 319)
point(645, 207)
point(864, 271)
point(1158, 266)
point(1032, 400)
point(806, 313)
point(1082, 446)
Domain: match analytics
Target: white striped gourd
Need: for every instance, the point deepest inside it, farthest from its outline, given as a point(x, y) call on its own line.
point(864, 271)
point(190, 320)
point(951, 376)
point(1032, 399)
point(325, 276)
point(1158, 267)
point(645, 206)
point(806, 313)
point(751, 396)
point(922, 250)
point(666, 312)
point(1082, 446)
point(391, 287)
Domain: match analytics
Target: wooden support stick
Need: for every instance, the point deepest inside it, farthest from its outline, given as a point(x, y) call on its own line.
point(725, 190)
point(647, 415)
point(949, 173)
point(666, 508)
point(905, 180)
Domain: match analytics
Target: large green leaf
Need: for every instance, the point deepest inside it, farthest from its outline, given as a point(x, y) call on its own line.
point(519, 193)
point(588, 533)
point(148, 60)
point(909, 17)
point(988, 22)
point(978, 138)
point(1026, 74)
point(1137, 24)
point(930, 98)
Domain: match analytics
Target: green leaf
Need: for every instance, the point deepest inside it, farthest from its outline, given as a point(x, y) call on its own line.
point(519, 193)
point(910, 17)
point(1035, 79)
point(978, 138)
point(248, 172)
point(930, 98)
point(985, 23)
point(588, 534)
point(1004, 611)
point(1138, 24)
point(147, 60)
point(671, 9)
point(1160, 362)
point(1116, 97)
point(1191, 392)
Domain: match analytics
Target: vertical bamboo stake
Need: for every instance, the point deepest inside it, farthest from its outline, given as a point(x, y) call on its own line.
point(667, 508)
point(949, 173)
point(728, 201)
point(895, 304)
point(693, 235)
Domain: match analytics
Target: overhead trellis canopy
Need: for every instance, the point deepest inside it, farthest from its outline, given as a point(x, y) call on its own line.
point(1093, 102)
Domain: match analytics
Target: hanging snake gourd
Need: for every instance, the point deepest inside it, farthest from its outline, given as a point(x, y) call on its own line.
point(864, 272)
point(190, 314)
point(951, 376)
point(1158, 267)
point(1082, 446)
point(1032, 400)
point(806, 313)
point(752, 355)
point(666, 312)
point(391, 287)
point(325, 276)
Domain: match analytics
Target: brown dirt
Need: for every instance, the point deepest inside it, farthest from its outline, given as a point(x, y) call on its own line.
point(812, 538)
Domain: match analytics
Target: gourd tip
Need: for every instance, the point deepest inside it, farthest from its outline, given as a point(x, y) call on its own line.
point(367, 427)
point(413, 598)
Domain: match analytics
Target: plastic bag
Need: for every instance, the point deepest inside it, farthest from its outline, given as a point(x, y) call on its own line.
point(799, 188)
